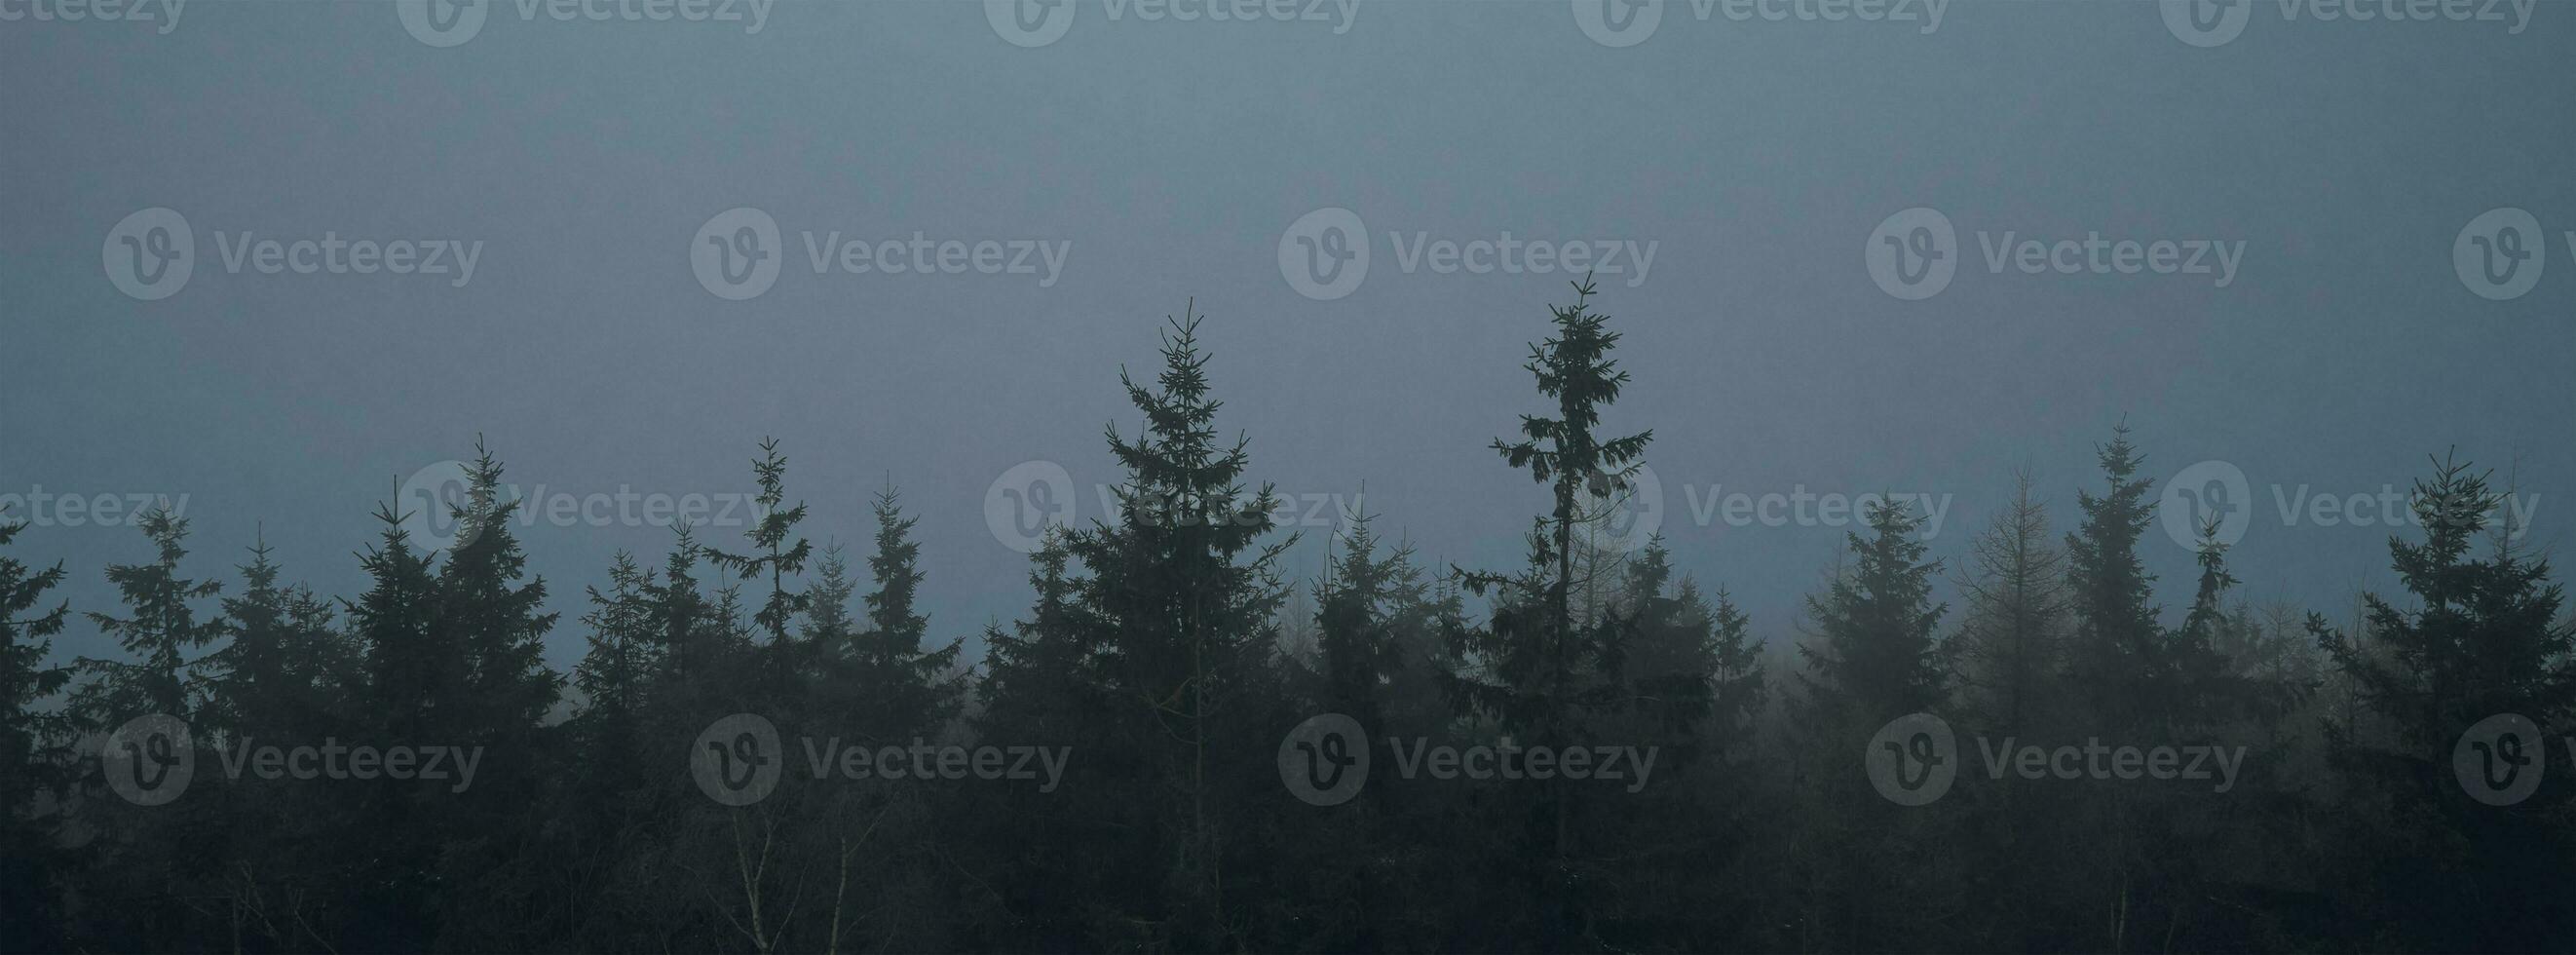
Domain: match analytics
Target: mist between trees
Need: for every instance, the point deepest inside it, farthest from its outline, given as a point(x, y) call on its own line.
point(1165, 659)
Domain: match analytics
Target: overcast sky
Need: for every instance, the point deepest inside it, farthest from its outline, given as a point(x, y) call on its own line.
point(2325, 170)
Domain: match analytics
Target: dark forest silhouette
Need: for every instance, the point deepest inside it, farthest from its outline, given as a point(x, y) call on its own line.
point(1167, 652)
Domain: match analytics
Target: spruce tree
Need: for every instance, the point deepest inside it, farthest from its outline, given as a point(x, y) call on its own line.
point(1186, 595)
point(158, 636)
point(412, 668)
point(34, 752)
point(694, 646)
point(2207, 689)
point(911, 688)
point(1536, 650)
point(828, 626)
point(2117, 660)
point(1742, 681)
point(615, 672)
point(495, 620)
point(2483, 636)
point(29, 736)
point(2479, 637)
point(416, 672)
point(1876, 654)
point(284, 669)
point(1691, 673)
point(2010, 647)
point(1358, 610)
point(1039, 674)
point(1537, 669)
point(776, 552)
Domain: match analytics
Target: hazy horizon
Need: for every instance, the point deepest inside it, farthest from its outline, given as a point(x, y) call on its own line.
point(1164, 159)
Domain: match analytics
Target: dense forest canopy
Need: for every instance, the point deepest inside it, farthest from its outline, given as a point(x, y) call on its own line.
point(2014, 738)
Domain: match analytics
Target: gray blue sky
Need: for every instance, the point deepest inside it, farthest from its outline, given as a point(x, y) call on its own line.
point(1167, 159)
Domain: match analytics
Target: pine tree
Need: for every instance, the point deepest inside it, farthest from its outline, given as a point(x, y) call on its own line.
point(910, 687)
point(1690, 671)
point(1043, 683)
point(495, 619)
point(1666, 647)
point(285, 677)
point(2484, 637)
point(284, 669)
point(775, 552)
point(1186, 596)
point(34, 752)
point(828, 626)
point(1039, 673)
point(1539, 669)
point(2011, 643)
point(693, 641)
point(2207, 689)
point(1742, 681)
point(29, 737)
point(157, 638)
point(412, 667)
point(416, 674)
point(1876, 655)
point(614, 674)
point(894, 629)
point(2117, 660)
point(1359, 609)
point(1536, 648)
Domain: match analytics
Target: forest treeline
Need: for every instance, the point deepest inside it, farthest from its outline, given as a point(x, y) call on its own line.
point(1168, 653)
